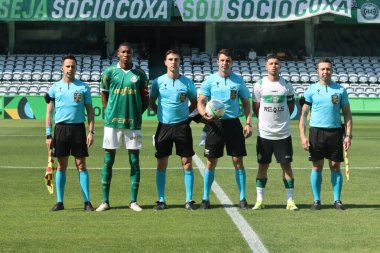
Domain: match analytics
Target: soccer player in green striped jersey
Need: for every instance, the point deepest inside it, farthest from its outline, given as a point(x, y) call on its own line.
point(125, 98)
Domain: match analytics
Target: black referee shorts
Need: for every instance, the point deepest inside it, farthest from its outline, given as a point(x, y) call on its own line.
point(70, 139)
point(227, 132)
point(326, 143)
point(180, 134)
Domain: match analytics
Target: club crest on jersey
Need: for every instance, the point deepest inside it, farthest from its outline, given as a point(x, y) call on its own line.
point(77, 97)
point(134, 79)
point(334, 99)
point(233, 94)
point(182, 97)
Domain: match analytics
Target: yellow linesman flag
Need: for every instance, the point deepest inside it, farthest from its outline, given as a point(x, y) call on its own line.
point(49, 173)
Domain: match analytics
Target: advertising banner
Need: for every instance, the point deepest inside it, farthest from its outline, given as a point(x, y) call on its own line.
point(259, 10)
point(93, 10)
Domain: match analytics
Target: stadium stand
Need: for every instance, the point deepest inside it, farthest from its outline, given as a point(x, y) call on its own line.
point(31, 74)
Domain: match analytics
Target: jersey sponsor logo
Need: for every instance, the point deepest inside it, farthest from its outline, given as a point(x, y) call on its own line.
point(126, 90)
point(274, 109)
point(77, 97)
point(122, 120)
point(182, 97)
point(334, 99)
point(233, 94)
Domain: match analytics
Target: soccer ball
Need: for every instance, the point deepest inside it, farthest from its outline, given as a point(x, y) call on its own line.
point(215, 108)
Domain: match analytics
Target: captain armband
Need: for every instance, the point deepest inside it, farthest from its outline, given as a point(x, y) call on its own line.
point(290, 98)
point(48, 98)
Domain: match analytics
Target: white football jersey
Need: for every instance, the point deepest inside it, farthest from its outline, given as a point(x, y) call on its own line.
point(274, 117)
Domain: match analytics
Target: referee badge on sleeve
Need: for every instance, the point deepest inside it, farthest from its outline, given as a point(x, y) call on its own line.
point(334, 99)
point(77, 97)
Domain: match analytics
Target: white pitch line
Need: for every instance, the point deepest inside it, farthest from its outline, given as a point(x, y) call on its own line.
point(250, 236)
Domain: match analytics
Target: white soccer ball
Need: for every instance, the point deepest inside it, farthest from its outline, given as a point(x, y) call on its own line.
point(215, 108)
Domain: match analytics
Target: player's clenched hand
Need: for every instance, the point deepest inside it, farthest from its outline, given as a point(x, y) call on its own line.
point(48, 143)
point(209, 118)
point(247, 131)
point(90, 139)
point(346, 143)
point(305, 143)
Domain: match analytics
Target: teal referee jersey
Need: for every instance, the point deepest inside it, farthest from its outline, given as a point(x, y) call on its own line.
point(70, 100)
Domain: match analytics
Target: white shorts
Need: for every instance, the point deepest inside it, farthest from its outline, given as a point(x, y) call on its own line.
point(115, 138)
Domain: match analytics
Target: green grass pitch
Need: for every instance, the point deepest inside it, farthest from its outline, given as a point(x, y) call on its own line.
point(28, 225)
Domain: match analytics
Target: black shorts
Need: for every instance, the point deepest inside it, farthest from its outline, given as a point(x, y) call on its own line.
point(326, 143)
point(227, 132)
point(180, 134)
point(282, 150)
point(70, 139)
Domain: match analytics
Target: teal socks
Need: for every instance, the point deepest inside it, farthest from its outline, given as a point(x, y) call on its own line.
point(60, 182)
point(240, 180)
point(84, 184)
point(337, 182)
point(189, 184)
point(208, 179)
point(160, 183)
point(316, 184)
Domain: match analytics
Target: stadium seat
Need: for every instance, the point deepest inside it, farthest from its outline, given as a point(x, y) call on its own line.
point(335, 77)
point(304, 77)
point(3, 90)
point(198, 77)
point(56, 75)
point(363, 79)
point(26, 75)
point(33, 90)
point(294, 77)
point(373, 95)
point(247, 77)
point(343, 78)
point(95, 76)
point(359, 90)
point(353, 77)
point(285, 75)
point(314, 78)
point(12, 90)
point(17, 75)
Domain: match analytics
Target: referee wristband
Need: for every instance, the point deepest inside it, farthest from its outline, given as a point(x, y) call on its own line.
point(48, 130)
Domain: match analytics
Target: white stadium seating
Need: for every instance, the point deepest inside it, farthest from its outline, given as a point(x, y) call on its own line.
point(33, 74)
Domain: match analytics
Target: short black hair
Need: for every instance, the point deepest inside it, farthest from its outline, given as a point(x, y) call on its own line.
point(70, 57)
point(272, 56)
point(324, 60)
point(224, 51)
point(172, 51)
point(125, 44)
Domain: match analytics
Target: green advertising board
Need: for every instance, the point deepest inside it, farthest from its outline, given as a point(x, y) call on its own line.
point(94, 10)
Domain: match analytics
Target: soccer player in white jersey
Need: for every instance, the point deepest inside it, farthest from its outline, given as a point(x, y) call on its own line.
point(273, 103)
